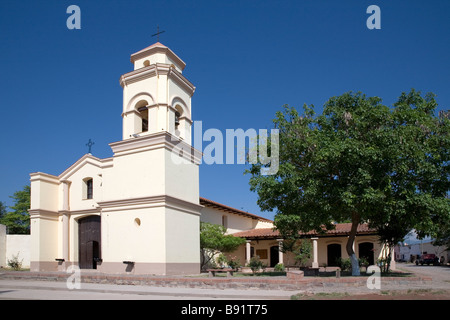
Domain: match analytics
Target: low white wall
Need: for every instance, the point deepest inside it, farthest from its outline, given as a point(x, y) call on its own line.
point(2, 245)
point(12, 245)
point(18, 244)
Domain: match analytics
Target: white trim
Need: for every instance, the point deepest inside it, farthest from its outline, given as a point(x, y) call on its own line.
point(153, 141)
point(86, 159)
point(151, 202)
point(154, 70)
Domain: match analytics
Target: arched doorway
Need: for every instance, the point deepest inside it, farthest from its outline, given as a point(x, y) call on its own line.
point(366, 251)
point(89, 242)
point(333, 254)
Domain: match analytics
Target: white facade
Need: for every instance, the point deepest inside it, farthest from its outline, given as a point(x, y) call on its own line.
point(149, 220)
point(138, 211)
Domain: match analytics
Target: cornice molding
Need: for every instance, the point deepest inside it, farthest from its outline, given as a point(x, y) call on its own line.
point(86, 159)
point(153, 141)
point(151, 202)
point(155, 70)
point(43, 214)
point(45, 177)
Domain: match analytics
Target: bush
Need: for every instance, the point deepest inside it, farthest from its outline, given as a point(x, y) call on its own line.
point(255, 264)
point(279, 267)
point(14, 263)
point(344, 264)
point(222, 260)
point(363, 262)
point(231, 262)
point(234, 263)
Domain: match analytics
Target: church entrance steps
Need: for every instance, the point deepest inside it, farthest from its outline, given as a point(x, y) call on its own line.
point(202, 281)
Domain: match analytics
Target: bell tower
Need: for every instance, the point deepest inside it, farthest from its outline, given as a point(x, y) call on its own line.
point(156, 95)
point(150, 208)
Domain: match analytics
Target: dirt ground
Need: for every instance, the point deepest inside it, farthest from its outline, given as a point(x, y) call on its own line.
point(437, 289)
point(415, 294)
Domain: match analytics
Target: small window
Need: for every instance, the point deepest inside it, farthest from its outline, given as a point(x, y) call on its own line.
point(146, 63)
point(178, 114)
point(262, 253)
point(88, 188)
point(143, 111)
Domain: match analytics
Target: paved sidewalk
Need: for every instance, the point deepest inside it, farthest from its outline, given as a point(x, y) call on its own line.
point(53, 285)
point(58, 290)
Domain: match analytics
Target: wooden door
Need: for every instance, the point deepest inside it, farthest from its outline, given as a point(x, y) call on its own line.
point(89, 242)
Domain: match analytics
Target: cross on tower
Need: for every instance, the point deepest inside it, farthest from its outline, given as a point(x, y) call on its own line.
point(89, 145)
point(158, 33)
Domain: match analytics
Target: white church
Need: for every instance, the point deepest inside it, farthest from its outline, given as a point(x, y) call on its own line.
point(139, 211)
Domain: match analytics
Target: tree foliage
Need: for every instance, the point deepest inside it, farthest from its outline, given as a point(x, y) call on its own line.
point(360, 161)
point(17, 221)
point(213, 241)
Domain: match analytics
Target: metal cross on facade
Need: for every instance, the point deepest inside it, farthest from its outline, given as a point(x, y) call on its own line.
point(158, 33)
point(89, 145)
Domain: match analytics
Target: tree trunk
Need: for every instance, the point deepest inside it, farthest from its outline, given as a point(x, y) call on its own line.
point(349, 246)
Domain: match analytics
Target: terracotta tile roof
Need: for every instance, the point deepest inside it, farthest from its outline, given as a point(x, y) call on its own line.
point(269, 233)
point(213, 204)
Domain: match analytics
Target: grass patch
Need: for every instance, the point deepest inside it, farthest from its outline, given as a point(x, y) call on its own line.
point(319, 295)
point(364, 274)
point(7, 269)
point(259, 274)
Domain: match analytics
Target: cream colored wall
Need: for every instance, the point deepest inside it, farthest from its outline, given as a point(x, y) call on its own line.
point(44, 192)
point(181, 177)
point(44, 239)
point(235, 223)
point(135, 175)
point(182, 237)
point(155, 58)
point(263, 224)
point(324, 242)
point(123, 239)
point(77, 198)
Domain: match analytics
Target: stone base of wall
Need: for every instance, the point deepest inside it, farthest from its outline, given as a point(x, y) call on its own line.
point(295, 275)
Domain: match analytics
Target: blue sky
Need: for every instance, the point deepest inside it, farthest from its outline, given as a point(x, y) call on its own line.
point(247, 59)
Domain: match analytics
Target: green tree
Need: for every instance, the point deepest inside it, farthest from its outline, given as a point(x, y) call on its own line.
point(359, 161)
point(213, 241)
point(2, 211)
point(18, 220)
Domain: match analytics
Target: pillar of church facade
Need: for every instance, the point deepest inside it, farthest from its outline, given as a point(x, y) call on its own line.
point(65, 220)
point(280, 252)
point(248, 250)
point(315, 263)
